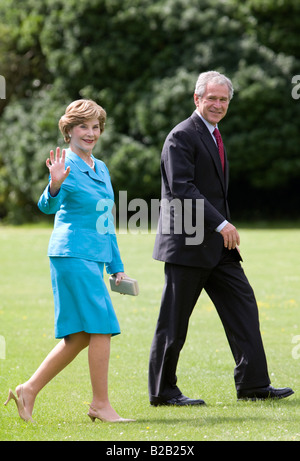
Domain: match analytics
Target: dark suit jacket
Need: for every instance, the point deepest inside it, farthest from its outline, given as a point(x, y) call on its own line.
point(191, 169)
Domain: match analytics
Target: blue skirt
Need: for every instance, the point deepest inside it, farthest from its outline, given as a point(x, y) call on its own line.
point(81, 298)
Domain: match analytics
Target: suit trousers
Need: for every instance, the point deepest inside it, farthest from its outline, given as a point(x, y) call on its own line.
point(234, 299)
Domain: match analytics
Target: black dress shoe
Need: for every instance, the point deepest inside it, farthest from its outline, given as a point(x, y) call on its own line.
point(263, 393)
point(180, 401)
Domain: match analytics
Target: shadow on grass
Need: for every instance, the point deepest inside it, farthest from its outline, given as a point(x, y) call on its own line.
point(258, 406)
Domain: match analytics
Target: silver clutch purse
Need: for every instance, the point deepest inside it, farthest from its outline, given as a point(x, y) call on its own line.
point(127, 286)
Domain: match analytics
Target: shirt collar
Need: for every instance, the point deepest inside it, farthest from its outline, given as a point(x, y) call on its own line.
point(98, 174)
point(208, 125)
point(81, 163)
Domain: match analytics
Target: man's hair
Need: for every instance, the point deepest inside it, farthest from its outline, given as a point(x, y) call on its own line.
point(212, 77)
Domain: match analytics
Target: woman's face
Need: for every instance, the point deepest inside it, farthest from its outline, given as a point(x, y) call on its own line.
point(85, 135)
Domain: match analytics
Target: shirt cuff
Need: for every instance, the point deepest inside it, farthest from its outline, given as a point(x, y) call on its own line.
point(220, 227)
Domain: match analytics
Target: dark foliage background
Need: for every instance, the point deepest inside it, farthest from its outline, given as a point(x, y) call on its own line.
point(140, 59)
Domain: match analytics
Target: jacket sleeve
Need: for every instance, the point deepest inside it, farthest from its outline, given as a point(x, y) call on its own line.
point(48, 204)
point(116, 264)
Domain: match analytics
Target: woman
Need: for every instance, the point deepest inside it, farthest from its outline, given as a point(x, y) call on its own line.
point(83, 240)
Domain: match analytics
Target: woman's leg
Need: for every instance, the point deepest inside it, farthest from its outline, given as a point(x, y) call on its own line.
point(99, 352)
point(62, 354)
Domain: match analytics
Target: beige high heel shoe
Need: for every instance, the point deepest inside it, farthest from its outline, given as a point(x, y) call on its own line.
point(95, 414)
point(23, 413)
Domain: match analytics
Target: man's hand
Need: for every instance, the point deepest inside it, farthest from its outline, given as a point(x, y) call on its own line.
point(231, 236)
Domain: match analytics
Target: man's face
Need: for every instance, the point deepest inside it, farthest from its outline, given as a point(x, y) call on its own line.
point(214, 103)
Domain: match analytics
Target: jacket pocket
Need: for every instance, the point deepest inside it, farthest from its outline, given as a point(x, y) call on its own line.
point(81, 243)
point(92, 245)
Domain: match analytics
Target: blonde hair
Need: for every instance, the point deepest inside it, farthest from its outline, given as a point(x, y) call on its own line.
point(78, 112)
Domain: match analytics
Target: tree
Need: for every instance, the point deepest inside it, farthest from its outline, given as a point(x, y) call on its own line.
point(140, 59)
point(276, 23)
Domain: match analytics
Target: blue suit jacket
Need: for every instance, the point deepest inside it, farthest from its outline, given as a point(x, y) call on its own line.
point(83, 226)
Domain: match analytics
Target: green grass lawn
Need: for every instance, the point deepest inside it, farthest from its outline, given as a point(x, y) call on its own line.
point(271, 261)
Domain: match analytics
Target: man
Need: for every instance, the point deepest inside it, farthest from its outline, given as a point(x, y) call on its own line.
point(195, 171)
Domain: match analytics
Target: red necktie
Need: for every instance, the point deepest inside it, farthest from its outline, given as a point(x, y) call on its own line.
point(218, 137)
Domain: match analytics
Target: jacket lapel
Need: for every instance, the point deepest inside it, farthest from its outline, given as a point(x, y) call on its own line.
point(97, 176)
point(212, 149)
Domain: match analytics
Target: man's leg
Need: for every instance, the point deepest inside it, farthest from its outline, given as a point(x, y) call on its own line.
point(182, 288)
point(235, 302)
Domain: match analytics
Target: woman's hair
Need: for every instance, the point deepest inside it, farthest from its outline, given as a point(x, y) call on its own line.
point(78, 112)
point(212, 77)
